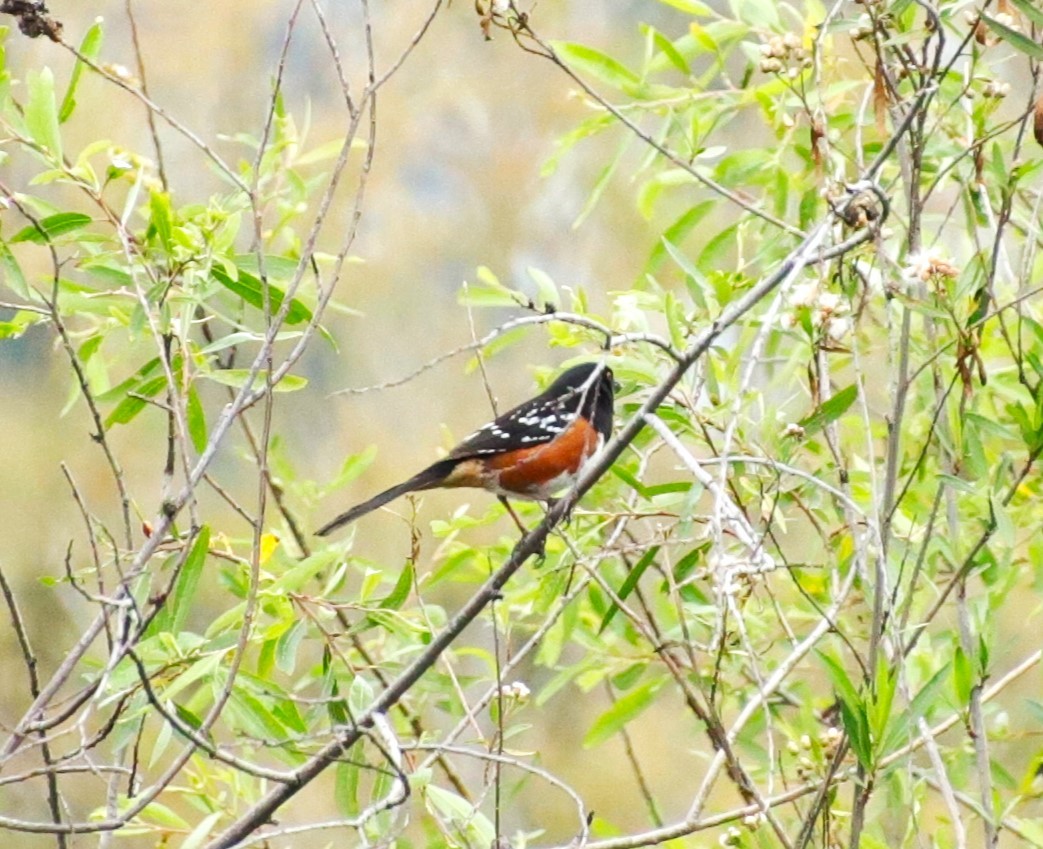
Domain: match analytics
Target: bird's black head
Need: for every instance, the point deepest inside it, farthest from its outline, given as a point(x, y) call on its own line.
point(594, 385)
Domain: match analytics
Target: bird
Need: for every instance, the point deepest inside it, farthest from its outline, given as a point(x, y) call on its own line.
point(530, 452)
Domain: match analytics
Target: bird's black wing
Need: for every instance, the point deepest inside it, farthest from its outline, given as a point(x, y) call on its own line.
point(535, 422)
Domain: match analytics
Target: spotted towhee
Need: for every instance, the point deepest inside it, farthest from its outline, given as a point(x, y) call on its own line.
point(530, 452)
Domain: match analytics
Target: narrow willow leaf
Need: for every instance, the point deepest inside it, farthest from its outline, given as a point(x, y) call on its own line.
point(250, 289)
point(597, 64)
point(201, 833)
point(136, 401)
point(164, 816)
point(629, 584)
point(689, 6)
point(188, 580)
point(547, 292)
point(90, 47)
point(852, 711)
point(196, 420)
point(346, 787)
point(673, 236)
point(46, 229)
point(1030, 11)
point(161, 218)
point(488, 291)
point(904, 727)
point(831, 410)
point(625, 709)
point(41, 112)
point(1015, 39)
point(401, 590)
point(236, 378)
point(670, 52)
point(252, 716)
point(286, 648)
point(13, 277)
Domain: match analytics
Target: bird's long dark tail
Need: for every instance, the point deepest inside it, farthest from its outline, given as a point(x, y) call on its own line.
point(430, 477)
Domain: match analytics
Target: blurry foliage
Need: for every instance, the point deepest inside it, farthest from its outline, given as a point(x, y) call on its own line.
point(807, 582)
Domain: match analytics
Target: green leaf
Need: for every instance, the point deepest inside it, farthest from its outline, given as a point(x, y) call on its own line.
point(690, 6)
point(488, 291)
point(838, 675)
point(780, 193)
point(354, 465)
point(601, 183)
point(713, 253)
point(241, 337)
point(589, 127)
point(1036, 709)
point(880, 713)
point(90, 47)
point(853, 717)
point(266, 658)
point(201, 832)
point(200, 670)
point(962, 676)
point(188, 580)
point(449, 805)
point(1033, 13)
point(286, 648)
point(1005, 532)
point(163, 816)
point(249, 288)
point(41, 113)
point(626, 708)
point(90, 347)
point(673, 236)
point(346, 787)
point(600, 65)
point(148, 370)
point(670, 52)
point(759, 13)
point(13, 276)
point(161, 218)
point(134, 403)
point(852, 711)
point(46, 229)
point(809, 205)
point(1015, 39)
point(904, 728)
point(360, 695)
point(668, 488)
point(983, 658)
point(187, 717)
point(628, 585)
point(401, 590)
point(335, 707)
point(250, 715)
point(196, 420)
point(236, 377)
point(830, 410)
point(546, 292)
point(304, 571)
point(629, 480)
point(19, 323)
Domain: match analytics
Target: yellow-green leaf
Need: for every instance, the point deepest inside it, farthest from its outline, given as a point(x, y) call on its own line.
point(236, 377)
point(46, 229)
point(600, 65)
point(41, 112)
point(1015, 39)
point(625, 709)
